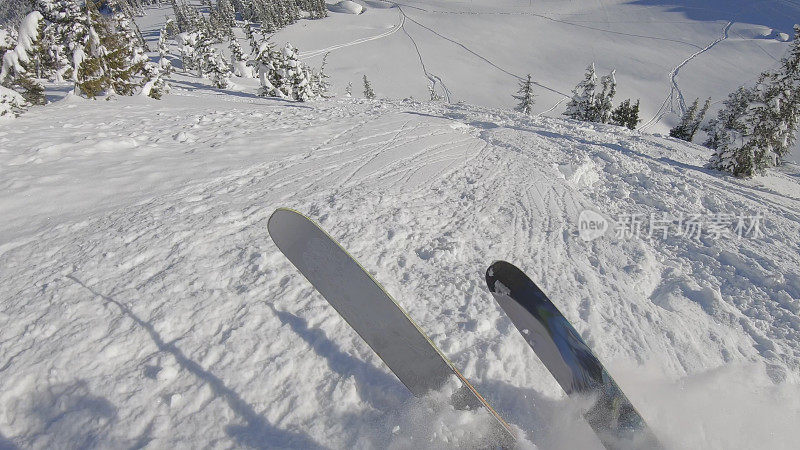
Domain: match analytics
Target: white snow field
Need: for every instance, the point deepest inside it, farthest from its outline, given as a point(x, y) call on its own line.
point(143, 304)
point(666, 52)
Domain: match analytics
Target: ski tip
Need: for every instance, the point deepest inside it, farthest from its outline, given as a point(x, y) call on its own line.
point(497, 270)
point(279, 215)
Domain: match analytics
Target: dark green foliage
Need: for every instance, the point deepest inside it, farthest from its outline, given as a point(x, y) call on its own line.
point(626, 115)
point(525, 96)
point(690, 121)
point(368, 92)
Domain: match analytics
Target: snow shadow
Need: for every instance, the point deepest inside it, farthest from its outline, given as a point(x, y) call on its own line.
point(69, 416)
point(381, 390)
point(6, 444)
point(192, 86)
point(779, 15)
point(256, 432)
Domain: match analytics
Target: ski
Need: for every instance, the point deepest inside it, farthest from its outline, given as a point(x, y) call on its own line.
point(373, 314)
point(571, 362)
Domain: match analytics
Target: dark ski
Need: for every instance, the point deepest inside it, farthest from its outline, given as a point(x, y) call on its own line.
point(573, 364)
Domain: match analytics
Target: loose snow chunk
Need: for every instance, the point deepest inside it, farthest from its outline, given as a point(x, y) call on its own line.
point(347, 7)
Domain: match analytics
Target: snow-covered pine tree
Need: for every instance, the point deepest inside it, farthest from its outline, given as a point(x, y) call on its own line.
point(626, 115)
point(729, 136)
point(210, 62)
point(690, 121)
point(297, 78)
point(24, 62)
point(368, 92)
point(268, 64)
point(348, 90)
point(8, 39)
point(132, 57)
point(603, 102)
point(525, 96)
point(25, 54)
point(227, 13)
point(155, 86)
point(12, 104)
point(321, 81)
point(66, 34)
point(164, 64)
point(582, 104)
point(252, 39)
point(776, 108)
point(112, 57)
point(182, 22)
point(434, 97)
point(239, 61)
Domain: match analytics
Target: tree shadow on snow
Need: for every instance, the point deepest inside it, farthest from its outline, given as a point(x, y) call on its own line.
point(204, 87)
point(381, 390)
point(256, 432)
point(779, 15)
point(6, 444)
point(68, 416)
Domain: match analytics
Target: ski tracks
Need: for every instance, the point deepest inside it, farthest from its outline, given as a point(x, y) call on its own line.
point(674, 89)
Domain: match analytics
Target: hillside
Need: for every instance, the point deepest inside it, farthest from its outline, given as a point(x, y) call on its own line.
point(143, 241)
point(143, 304)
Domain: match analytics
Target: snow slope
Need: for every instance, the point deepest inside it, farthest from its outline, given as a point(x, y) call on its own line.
point(666, 52)
point(142, 302)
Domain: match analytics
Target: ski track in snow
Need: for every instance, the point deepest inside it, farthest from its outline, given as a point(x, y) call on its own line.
point(319, 52)
point(674, 82)
point(167, 317)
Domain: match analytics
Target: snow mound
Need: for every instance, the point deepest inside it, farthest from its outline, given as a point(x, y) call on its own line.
point(347, 7)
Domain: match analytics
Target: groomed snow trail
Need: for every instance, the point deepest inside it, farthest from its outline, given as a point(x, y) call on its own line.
point(164, 315)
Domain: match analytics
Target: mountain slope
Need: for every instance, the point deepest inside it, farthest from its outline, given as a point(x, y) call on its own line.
point(142, 301)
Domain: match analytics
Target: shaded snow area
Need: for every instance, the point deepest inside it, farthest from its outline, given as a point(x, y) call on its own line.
point(142, 302)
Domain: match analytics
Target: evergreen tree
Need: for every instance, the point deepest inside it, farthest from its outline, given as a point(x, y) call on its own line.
point(268, 63)
point(238, 59)
point(110, 60)
point(321, 81)
point(728, 136)
point(66, 33)
point(434, 97)
point(368, 92)
point(776, 109)
point(348, 90)
point(296, 77)
point(155, 86)
point(582, 104)
point(23, 63)
point(603, 103)
point(210, 64)
point(525, 96)
point(164, 64)
point(626, 115)
point(690, 121)
point(12, 104)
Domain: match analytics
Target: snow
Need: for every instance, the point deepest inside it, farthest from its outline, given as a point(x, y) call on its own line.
point(140, 286)
point(142, 302)
point(346, 6)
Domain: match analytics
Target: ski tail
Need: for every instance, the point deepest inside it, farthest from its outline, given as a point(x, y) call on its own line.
point(571, 362)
